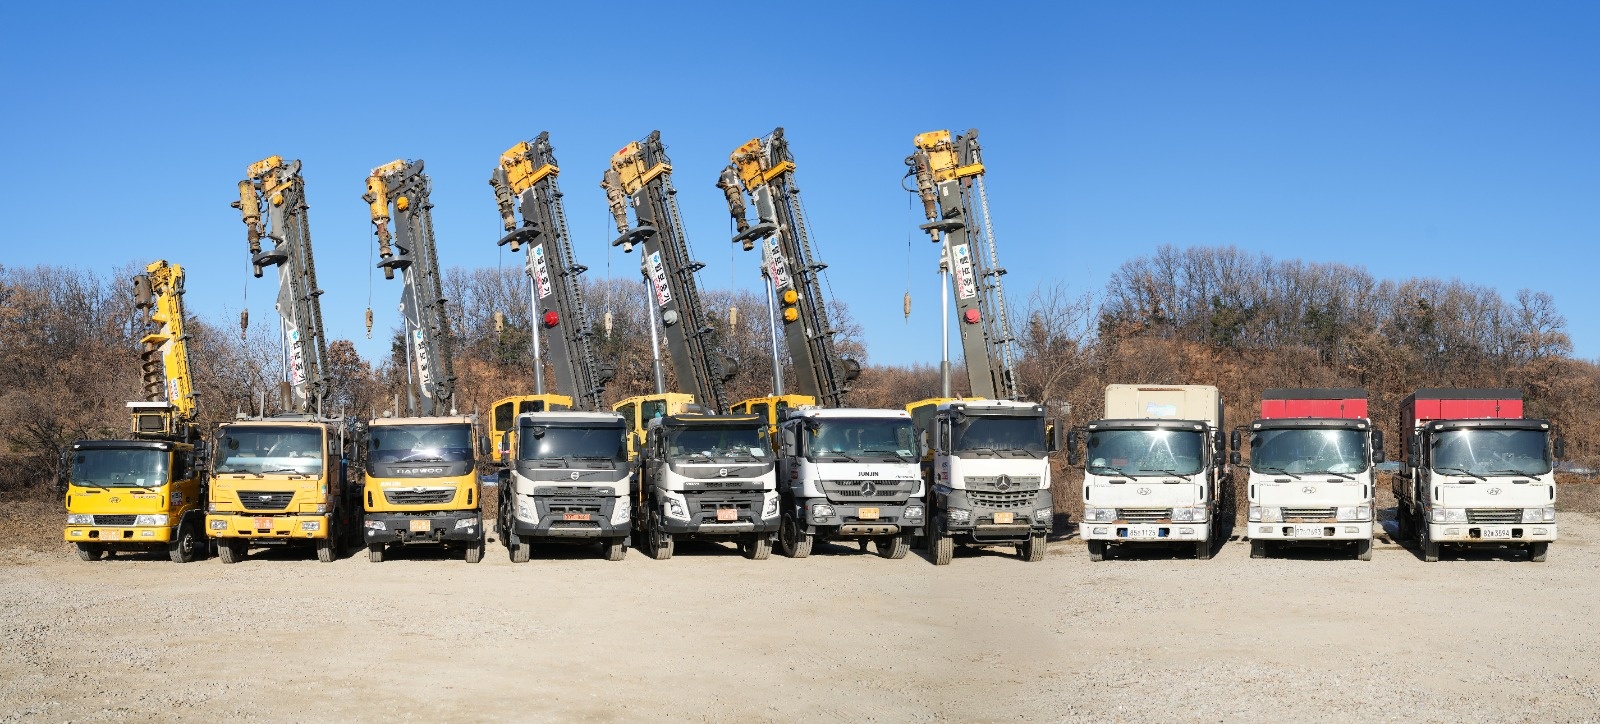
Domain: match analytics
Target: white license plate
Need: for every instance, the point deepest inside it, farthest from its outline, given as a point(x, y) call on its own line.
point(1495, 533)
point(1308, 531)
point(1144, 531)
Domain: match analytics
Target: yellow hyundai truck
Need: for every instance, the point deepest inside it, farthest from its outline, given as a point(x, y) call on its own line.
point(422, 485)
point(281, 480)
point(135, 495)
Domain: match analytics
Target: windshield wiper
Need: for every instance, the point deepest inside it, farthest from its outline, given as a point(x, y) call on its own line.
point(1346, 476)
point(1514, 472)
point(1278, 470)
point(1463, 471)
point(1164, 471)
point(989, 450)
point(1107, 468)
point(239, 471)
point(422, 459)
point(885, 452)
point(90, 483)
point(286, 470)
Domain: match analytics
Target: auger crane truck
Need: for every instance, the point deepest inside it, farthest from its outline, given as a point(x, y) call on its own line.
point(1311, 473)
point(281, 479)
point(849, 474)
point(1475, 472)
point(708, 477)
point(568, 462)
point(988, 476)
point(1153, 472)
point(419, 470)
point(147, 492)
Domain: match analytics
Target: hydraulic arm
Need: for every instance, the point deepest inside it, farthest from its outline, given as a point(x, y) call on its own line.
point(273, 203)
point(399, 190)
point(525, 182)
point(764, 169)
point(164, 360)
point(641, 176)
point(949, 178)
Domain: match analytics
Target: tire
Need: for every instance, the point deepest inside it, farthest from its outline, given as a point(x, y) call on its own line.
point(232, 550)
point(1033, 550)
point(183, 550)
point(375, 552)
point(793, 540)
point(1258, 549)
point(1364, 550)
point(1405, 527)
point(941, 547)
point(475, 551)
point(759, 547)
point(893, 547)
point(1097, 551)
point(516, 546)
point(616, 549)
point(88, 552)
point(327, 548)
point(661, 543)
point(1202, 550)
point(1538, 552)
point(1430, 549)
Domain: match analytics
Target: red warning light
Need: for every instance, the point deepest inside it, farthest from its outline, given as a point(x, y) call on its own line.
point(551, 318)
point(971, 316)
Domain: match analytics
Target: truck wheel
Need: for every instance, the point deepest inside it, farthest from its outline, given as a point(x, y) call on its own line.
point(1430, 549)
point(231, 550)
point(1538, 552)
point(941, 547)
point(1258, 549)
point(516, 546)
point(661, 543)
point(182, 550)
point(793, 539)
point(759, 547)
point(1364, 550)
point(1033, 550)
point(326, 552)
point(616, 549)
point(88, 552)
point(475, 551)
point(893, 547)
point(1097, 551)
point(375, 553)
point(1404, 526)
point(1202, 550)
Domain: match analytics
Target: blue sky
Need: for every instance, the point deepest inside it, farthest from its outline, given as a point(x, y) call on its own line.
point(1433, 139)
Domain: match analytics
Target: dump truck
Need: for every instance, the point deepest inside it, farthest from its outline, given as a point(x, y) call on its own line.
point(567, 481)
point(988, 477)
point(706, 477)
point(849, 474)
point(1475, 472)
point(1311, 471)
point(1153, 471)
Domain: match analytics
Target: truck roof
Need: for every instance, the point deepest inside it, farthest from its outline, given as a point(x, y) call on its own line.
point(1314, 393)
point(571, 416)
point(688, 419)
point(1167, 402)
point(847, 412)
point(435, 420)
point(992, 405)
point(123, 444)
point(1321, 402)
point(1467, 393)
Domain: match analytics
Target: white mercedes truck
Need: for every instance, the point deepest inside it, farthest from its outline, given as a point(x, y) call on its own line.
point(1152, 469)
point(568, 482)
point(849, 474)
point(706, 477)
point(989, 475)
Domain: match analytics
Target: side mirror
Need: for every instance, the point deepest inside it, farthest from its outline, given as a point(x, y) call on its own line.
point(1073, 458)
point(63, 471)
point(1377, 439)
point(1057, 437)
point(1216, 440)
point(1414, 458)
point(1379, 456)
point(1561, 448)
point(1234, 458)
point(483, 445)
point(1233, 442)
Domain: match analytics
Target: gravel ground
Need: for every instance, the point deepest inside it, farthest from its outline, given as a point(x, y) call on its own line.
point(842, 635)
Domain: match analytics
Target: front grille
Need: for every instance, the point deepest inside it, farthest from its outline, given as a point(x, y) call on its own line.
point(1305, 514)
point(1144, 515)
point(574, 507)
point(572, 491)
point(1003, 501)
point(114, 519)
point(265, 500)
point(419, 497)
point(868, 489)
point(1491, 515)
point(1002, 483)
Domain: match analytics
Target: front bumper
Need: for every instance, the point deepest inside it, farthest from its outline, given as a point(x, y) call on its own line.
point(118, 535)
point(430, 527)
point(564, 516)
point(226, 525)
point(705, 513)
point(1491, 533)
point(853, 518)
point(987, 511)
point(1156, 532)
point(1329, 531)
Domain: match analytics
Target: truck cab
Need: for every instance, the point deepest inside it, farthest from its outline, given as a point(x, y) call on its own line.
point(420, 485)
point(503, 417)
point(640, 410)
point(988, 473)
point(773, 407)
point(706, 477)
point(1153, 469)
point(568, 481)
point(850, 474)
point(282, 480)
point(1311, 470)
point(135, 496)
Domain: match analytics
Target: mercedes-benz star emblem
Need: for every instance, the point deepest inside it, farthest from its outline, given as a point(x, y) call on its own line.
point(867, 488)
point(1143, 491)
point(1003, 483)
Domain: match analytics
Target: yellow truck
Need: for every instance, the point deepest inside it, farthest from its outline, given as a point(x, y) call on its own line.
point(282, 480)
point(421, 485)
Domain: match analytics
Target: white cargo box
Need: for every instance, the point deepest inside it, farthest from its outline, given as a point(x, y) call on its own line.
point(1164, 402)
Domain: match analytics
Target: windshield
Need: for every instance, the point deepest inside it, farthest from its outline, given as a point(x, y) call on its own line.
point(269, 450)
point(982, 432)
point(1308, 451)
point(552, 442)
point(120, 468)
point(890, 436)
point(1146, 452)
point(1496, 452)
point(717, 442)
point(449, 443)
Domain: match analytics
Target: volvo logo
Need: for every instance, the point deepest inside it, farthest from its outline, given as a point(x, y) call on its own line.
point(1003, 483)
point(1308, 490)
point(1493, 491)
point(722, 472)
point(1143, 491)
point(867, 488)
point(574, 475)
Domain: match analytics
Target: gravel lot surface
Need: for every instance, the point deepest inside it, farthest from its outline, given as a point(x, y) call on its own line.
point(842, 635)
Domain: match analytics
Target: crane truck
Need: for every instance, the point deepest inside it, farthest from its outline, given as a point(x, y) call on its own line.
point(419, 471)
point(147, 492)
point(281, 479)
point(849, 474)
point(707, 477)
point(1475, 472)
point(568, 465)
point(1153, 469)
point(988, 475)
point(1312, 457)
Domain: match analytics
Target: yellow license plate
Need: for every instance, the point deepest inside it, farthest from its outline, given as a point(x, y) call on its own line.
point(263, 524)
point(727, 513)
point(575, 516)
point(421, 526)
point(1003, 517)
point(867, 513)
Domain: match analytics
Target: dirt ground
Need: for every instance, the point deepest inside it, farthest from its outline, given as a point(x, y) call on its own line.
point(842, 635)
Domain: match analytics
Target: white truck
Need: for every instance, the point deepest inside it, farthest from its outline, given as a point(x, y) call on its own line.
point(1311, 470)
point(708, 477)
point(989, 473)
point(568, 482)
point(1153, 469)
point(849, 473)
point(1475, 472)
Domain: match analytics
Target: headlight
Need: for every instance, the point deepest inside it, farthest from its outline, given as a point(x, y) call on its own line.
point(466, 523)
point(913, 511)
point(1043, 515)
point(1099, 515)
point(525, 509)
point(1271, 515)
point(822, 510)
point(377, 525)
point(79, 519)
point(1189, 514)
point(771, 510)
point(1255, 514)
point(1539, 515)
point(1357, 512)
point(223, 525)
point(675, 510)
point(957, 515)
point(160, 519)
point(619, 512)
point(1448, 515)
point(211, 507)
point(321, 508)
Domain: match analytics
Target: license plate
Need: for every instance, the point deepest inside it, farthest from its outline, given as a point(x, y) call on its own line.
point(1003, 518)
point(1144, 531)
point(263, 524)
point(575, 516)
point(867, 513)
point(727, 513)
point(421, 526)
point(1495, 533)
point(1308, 531)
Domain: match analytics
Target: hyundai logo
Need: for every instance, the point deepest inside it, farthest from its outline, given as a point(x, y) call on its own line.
point(1308, 490)
point(1493, 491)
point(1143, 491)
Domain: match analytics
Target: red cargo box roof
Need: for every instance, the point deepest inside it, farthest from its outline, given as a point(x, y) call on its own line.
point(1348, 403)
point(1465, 404)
